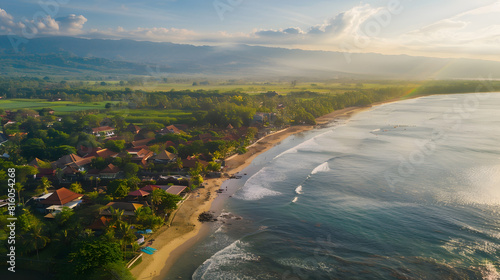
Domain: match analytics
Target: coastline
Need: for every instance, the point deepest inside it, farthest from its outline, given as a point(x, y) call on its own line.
point(185, 230)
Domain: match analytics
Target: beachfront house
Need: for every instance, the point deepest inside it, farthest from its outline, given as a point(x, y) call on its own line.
point(127, 207)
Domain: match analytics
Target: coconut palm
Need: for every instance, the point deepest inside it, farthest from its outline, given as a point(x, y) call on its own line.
point(37, 240)
point(116, 214)
point(156, 197)
point(18, 187)
point(44, 185)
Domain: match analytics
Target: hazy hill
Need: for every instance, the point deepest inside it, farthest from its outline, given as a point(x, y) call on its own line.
point(133, 57)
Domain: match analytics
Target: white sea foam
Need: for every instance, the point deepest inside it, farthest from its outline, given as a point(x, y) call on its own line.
point(324, 167)
point(289, 151)
point(259, 185)
point(295, 199)
point(298, 190)
point(228, 257)
point(490, 272)
point(255, 192)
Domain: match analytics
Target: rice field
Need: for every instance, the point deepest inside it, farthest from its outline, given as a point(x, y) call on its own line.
point(58, 106)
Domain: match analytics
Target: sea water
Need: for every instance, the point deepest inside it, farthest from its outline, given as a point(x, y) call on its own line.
point(406, 190)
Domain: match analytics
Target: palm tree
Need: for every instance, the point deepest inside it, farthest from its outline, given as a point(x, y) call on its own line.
point(117, 214)
point(36, 238)
point(156, 197)
point(179, 163)
point(44, 185)
point(18, 187)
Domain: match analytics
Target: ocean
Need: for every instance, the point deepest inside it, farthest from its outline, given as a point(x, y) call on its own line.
point(404, 190)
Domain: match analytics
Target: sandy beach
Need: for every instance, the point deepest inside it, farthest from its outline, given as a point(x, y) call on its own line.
point(186, 230)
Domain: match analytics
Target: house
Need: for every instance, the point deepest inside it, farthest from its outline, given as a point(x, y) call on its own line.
point(261, 118)
point(149, 188)
point(110, 172)
point(140, 155)
point(63, 198)
point(171, 189)
point(127, 207)
point(133, 128)
point(205, 137)
point(73, 161)
point(164, 157)
point(103, 153)
point(100, 223)
point(177, 190)
point(142, 142)
point(38, 163)
point(9, 123)
point(138, 193)
point(103, 131)
point(191, 162)
point(170, 129)
point(45, 172)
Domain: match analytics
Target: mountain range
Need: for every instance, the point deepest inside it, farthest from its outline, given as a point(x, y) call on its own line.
point(78, 56)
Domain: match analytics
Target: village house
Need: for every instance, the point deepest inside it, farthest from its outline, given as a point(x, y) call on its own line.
point(164, 157)
point(142, 143)
point(128, 208)
point(103, 131)
point(170, 129)
point(73, 161)
point(140, 155)
point(110, 172)
point(102, 153)
point(133, 128)
point(59, 199)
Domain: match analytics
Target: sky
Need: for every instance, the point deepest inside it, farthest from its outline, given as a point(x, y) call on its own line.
point(445, 28)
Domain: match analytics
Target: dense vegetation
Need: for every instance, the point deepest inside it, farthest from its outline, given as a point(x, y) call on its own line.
point(49, 130)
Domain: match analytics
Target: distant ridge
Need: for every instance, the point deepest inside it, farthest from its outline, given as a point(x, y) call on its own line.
point(237, 60)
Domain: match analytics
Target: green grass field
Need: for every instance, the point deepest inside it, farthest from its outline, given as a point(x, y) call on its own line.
point(64, 107)
point(156, 115)
point(58, 106)
point(254, 88)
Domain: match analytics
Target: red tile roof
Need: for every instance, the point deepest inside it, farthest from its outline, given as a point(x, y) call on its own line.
point(170, 143)
point(102, 128)
point(138, 193)
point(149, 188)
point(61, 197)
point(100, 223)
point(104, 153)
point(142, 142)
point(110, 169)
point(171, 129)
point(164, 155)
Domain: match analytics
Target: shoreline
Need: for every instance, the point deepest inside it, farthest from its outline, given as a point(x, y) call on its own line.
point(185, 230)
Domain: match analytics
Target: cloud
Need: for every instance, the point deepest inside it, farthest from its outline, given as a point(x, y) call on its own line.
point(468, 34)
point(68, 25)
point(157, 34)
point(359, 29)
point(279, 33)
point(71, 24)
